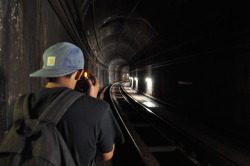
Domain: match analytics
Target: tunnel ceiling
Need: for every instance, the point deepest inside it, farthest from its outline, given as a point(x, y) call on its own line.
point(140, 32)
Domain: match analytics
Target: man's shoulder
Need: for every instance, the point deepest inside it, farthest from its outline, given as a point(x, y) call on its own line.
point(89, 107)
point(95, 101)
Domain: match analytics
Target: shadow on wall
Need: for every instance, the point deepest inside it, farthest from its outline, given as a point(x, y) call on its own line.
point(3, 121)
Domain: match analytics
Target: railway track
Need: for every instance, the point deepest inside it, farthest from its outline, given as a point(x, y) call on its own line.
point(154, 148)
point(157, 138)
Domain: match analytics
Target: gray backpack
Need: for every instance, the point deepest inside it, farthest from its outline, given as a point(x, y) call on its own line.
point(37, 142)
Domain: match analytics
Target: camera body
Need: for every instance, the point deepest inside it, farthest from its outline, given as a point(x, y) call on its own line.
point(82, 85)
point(92, 78)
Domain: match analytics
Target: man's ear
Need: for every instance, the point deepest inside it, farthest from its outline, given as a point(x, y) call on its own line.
point(79, 74)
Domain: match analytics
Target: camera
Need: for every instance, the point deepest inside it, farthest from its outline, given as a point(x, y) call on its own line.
point(92, 78)
point(82, 84)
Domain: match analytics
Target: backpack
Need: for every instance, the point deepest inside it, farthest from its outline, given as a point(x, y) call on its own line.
point(37, 142)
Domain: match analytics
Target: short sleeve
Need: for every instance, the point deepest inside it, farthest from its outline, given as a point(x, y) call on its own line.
point(110, 132)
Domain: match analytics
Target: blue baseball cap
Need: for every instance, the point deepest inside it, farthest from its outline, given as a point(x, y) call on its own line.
point(59, 60)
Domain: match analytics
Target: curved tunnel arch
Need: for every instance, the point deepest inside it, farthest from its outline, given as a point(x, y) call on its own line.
point(126, 37)
point(120, 50)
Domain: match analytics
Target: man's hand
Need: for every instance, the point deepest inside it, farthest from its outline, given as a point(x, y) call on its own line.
point(93, 88)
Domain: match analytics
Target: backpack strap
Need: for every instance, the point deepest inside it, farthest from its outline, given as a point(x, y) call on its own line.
point(59, 106)
point(52, 113)
point(21, 108)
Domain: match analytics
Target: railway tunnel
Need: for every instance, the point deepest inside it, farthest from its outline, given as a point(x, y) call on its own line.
point(192, 56)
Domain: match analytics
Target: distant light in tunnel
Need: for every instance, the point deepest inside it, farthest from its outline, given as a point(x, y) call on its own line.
point(149, 88)
point(148, 80)
point(149, 104)
point(131, 82)
point(136, 83)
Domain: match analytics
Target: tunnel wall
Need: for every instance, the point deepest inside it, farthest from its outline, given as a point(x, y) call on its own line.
point(207, 78)
point(27, 28)
point(213, 89)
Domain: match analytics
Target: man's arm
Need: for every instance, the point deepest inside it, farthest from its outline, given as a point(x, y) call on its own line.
point(109, 155)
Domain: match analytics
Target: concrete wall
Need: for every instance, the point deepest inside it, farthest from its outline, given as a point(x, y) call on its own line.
point(27, 28)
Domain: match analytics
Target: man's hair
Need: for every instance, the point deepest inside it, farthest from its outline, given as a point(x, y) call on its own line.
point(55, 79)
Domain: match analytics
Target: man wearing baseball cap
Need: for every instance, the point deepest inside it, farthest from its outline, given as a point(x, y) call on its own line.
point(88, 125)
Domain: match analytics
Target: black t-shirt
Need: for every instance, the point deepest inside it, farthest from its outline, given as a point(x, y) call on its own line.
point(87, 126)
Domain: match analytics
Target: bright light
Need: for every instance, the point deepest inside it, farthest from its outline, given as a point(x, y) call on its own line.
point(85, 74)
point(149, 89)
point(149, 80)
point(131, 81)
point(149, 104)
point(136, 83)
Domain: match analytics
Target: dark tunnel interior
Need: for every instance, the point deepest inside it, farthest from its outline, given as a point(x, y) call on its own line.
point(195, 53)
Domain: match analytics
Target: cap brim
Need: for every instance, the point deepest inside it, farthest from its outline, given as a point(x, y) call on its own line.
point(52, 72)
